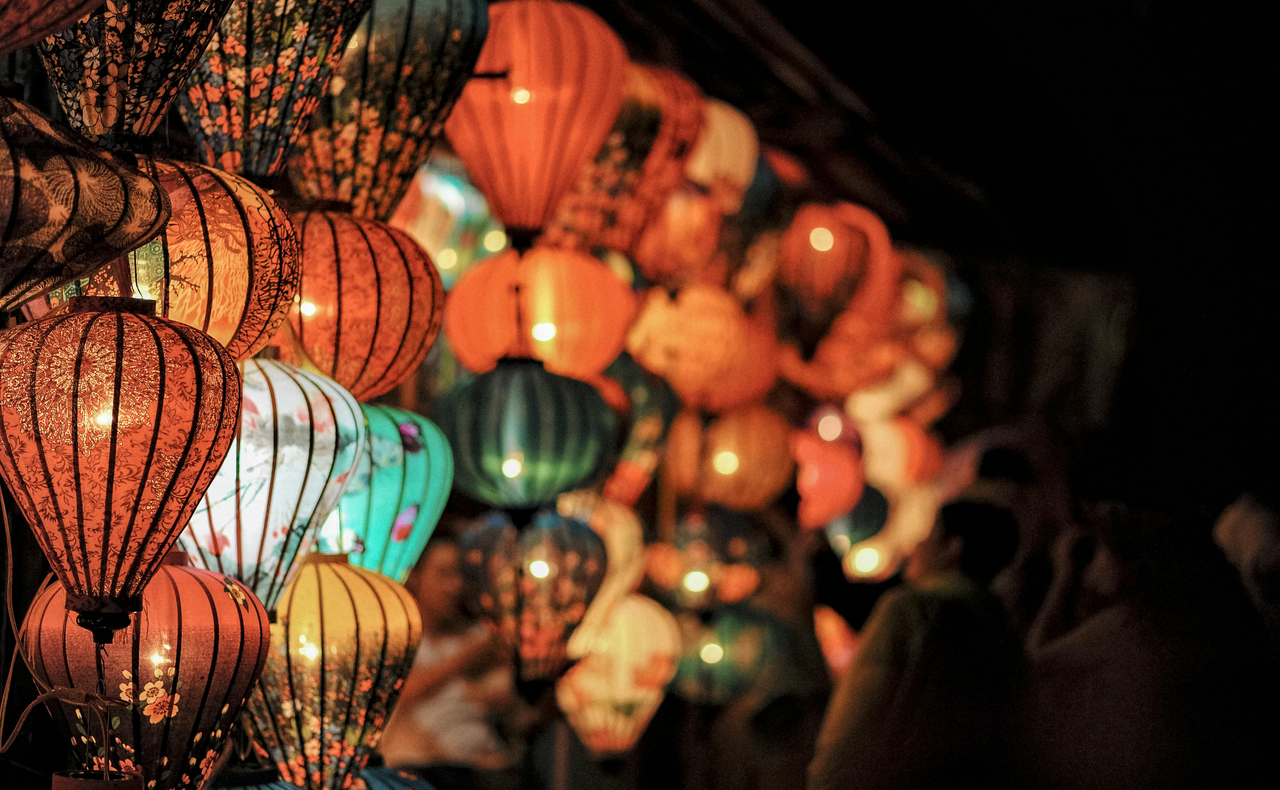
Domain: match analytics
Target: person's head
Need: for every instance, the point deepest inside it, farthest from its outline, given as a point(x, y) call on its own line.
point(437, 579)
point(973, 538)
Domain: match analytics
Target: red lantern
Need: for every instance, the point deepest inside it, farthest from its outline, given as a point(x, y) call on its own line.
point(680, 241)
point(826, 253)
point(724, 160)
point(112, 425)
point(24, 22)
point(693, 341)
point(549, 83)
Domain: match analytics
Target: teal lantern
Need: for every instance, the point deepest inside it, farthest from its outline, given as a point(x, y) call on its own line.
point(722, 659)
point(392, 504)
point(522, 436)
point(865, 521)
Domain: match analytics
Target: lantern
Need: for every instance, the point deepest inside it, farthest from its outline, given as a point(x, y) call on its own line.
point(112, 425)
point(829, 479)
point(899, 452)
point(680, 240)
point(724, 159)
point(712, 560)
point(721, 660)
point(865, 521)
point(652, 407)
point(610, 696)
point(550, 82)
point(181, 667)
point(562, 307)
point(521, 436)
point(742, 460)
point(692, 341)
point(66, 208)
point(344, 641)
point(533, 586)
point(397, 495)
point(922, 311)
point(118, 69)
point(402, 72)
point(300, 437)
point(368, 305)
point(24, 22)
point(249, 97)
point(750, 374)
point(826, 253)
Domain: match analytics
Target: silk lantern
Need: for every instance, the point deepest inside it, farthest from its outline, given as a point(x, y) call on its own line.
point(66, 208)
point(550, 81)
point(721, 660)
point(693, 340)
point(829, 477)
point(392, 504)
point(387, 101)
point(713, 559)
point(623, 535)
point(826, 253)
point(521, 436)
point(724, 158)
point(181, 667)
point(749, 374)
point(112, 424)
point(368, 304)
point(251, 94)
point(300, 437)
point(562, 307)
point(343, 643)
point(610, 696)
point(744, 458)
point(680, 240)
point(24, 22)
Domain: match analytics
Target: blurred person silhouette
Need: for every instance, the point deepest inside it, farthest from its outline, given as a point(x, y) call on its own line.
point(929, 698)
point(1248, 532)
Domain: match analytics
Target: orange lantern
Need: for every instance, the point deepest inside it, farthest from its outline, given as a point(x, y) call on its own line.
point(898, 452)
point(750, 375)
point(562, 307)
point(112, 425)
point(724, 159)
point(681, 239)
point(24, 22)
point(548, 84)
point(829, 479)
point(693, 341)
point(826, 253)
point(368, 305)
point(746, 458)
point(922, 311)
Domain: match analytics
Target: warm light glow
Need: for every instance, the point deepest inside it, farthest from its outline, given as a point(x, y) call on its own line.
point(447, 258)
point(539, 569)
point(521, 96)
point(157, 659)
point(103, 419)
point(725, 462)
point(822, 239)
point(306, 308)
point(696, 581)
point(866, 560)
point(544, 331)
point(830, 428)
point(512, 467)
point(310, 651)
point(495, 240)
point(711, 653)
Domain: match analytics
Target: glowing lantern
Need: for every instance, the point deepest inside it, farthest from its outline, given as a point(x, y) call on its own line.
point(402, 72)
point(397, 495)
point(260, 79)
point(652, 405)
point(829, 479)
point(724, 159)
point(692, 341)
point(680, 240)
point(898, 452)
point(521, 436)
point(721, 660)
point(182, 667)
point(922, 312)
point(712, 560)
point(343, 643)
point(300, 436)
point(610, 696)
point(24, 22)
point(862, 523)
point(66, 208)
point(368, 305)
point(533, 586)
point(750, 375)
point(562, 307)
point(551, 81)
point(742, 459)
point(826, 252)
point(112, 425)
point(623, 536)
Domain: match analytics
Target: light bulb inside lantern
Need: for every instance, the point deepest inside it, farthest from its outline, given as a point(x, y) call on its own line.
point(521, 96)
point(866, 560)
point(307, 308)
point(711, 653)
point(104, 419)
point(447, 259)
point(512, 466)
point(543, 331)
point(157, 659)
point(830, 428)
point(822, 239)
point(495, 240)
point(539, 569)
point(725, 462)
point(310, 651)
point(696, 581)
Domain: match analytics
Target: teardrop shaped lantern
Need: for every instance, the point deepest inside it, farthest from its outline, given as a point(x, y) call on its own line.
point(250, 96)
point(387, 101)
point(610, 696)
point(724, 159)
point(548, 85)
point(300, 437)
point(623, 535)
point(24, 22)
point(112, 425)
point(343, 642)
point(181, 667)
point(66, 208)
point(396, 496)
point(368, 304)
point(680, 240)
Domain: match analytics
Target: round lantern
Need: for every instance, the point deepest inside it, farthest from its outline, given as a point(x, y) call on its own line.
point(750, 375)
point(611, 694)
point(562, 307)
point(829, 477)
point(864, 522)
point(344, 640)
point(300, 436)
point(24, 22)
point(252, 92)
point(680, 240)
point(182, 668)
point(721, 660)
point(623, 536)
point(724, 159)
point(692, 341)
point(387, 101)
point(368, 304)
point(521, 436)
point(112, 425)
point(712, 560)
point(744, 461)
point(534, 586)
point(396, 497)
point(66, 208)
point(550, 81)
point(827, 251)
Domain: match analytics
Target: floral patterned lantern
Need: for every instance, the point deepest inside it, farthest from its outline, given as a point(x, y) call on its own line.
point(392, 505)
point(47, 236)
point(721, 660)
point(550, 82)
point(712, 560)
point(680, 240)
point(343, 643)
point(610, 696)
point(402, 72)
point(181, 668)
point(112, 425)
point(368, 306)
point(692, 341)
point(623, 535)
point(724, 159)
point(300, 437)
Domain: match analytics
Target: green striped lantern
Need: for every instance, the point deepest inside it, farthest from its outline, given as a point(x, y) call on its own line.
point(399, 490)
point(521, 436)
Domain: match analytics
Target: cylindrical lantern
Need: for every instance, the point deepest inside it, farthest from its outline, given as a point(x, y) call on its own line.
point(24, 22)
point(720, 661)
point(112, 425)
point(692, 341)
point(680, 240)
point(391, 507)
point(300, 437)
point(182, 668)
point(550, 81)
point(521, 436)
point(724, 158)
point(611, 694)
point(402, 72)
point(343, 642)
point(368, 305)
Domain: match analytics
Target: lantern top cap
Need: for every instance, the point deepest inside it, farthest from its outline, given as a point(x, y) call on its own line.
point(106, 304)
point(320, 558)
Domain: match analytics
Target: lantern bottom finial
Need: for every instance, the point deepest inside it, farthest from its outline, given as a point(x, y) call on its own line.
point(103, 615)
point(103, 625)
